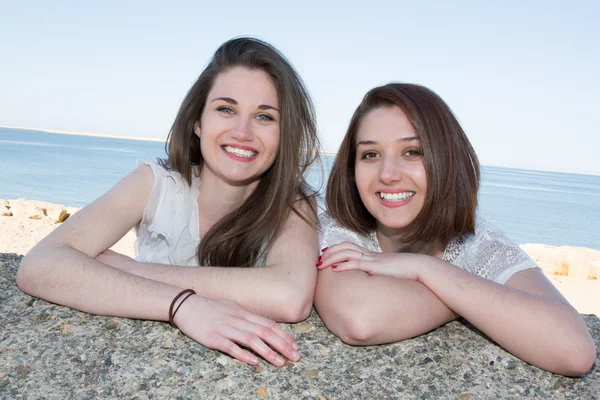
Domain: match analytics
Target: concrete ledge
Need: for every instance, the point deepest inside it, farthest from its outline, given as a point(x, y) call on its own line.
point(53, 352)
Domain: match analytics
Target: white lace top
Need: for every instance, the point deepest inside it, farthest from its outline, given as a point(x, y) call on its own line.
point(487, 253)
point(169, 232)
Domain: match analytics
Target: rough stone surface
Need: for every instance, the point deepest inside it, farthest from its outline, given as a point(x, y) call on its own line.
point(53, 352)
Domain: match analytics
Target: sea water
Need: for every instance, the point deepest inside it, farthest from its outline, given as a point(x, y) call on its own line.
point(530, 206)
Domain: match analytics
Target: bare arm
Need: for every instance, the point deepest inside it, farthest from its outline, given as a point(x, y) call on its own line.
point(364, 310)
point(62, 269)
point(527, 316)
point(283, 290)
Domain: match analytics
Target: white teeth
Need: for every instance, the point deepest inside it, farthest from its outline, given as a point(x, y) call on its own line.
point(396, 196)
point(239, 152)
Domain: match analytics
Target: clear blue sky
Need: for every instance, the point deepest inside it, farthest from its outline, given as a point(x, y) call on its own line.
point(522, 77)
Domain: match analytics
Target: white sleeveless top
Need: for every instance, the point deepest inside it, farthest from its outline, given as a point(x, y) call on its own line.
point(169, 232)
point(487, 253)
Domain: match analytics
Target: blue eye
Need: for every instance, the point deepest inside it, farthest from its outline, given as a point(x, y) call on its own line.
point(264, 117)
point(225, 110)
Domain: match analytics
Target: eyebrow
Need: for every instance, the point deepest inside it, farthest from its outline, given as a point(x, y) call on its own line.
point(372, 142)
point(234, 102)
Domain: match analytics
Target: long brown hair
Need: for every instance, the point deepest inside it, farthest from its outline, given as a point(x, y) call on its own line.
point(451, 166)
point(244, 235)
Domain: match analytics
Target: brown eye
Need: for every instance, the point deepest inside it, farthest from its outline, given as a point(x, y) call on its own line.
point(414, 153)
point(368, 155)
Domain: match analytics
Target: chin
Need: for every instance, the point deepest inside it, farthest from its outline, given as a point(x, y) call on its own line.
point(394, 223)
point(241, 180)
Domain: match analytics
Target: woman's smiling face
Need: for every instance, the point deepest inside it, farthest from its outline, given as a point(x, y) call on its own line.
point(239, 128)
point(389, 167)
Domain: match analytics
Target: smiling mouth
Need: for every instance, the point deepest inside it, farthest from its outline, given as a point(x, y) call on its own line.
point(396, 197)
point(240, 152)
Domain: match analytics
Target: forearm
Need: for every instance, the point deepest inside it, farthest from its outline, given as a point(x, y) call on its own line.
point(366, 310)
point(540, 330)
point(269, 291)
point(65, 276)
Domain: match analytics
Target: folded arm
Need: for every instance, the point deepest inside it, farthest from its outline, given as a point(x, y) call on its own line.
point(62, 269)
point(527, 315)
point(364, 310)
point(282, 290)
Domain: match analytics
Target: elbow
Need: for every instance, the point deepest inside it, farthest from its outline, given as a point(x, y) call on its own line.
point(581, 359)
point(351, 325)
point(355, 331)
point(26, 275)
point(297, 312)
point(296, 305)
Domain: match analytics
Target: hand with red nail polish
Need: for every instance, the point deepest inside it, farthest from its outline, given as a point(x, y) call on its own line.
point(348, 256)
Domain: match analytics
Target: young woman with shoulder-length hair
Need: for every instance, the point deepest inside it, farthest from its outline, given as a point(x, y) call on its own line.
point(231, 194)
point(404, 252)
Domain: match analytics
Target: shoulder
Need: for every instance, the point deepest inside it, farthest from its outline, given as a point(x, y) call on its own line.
point(158, 170)
point(171, 202)
point(331, 232)
point(486, 234)
point(491, 254)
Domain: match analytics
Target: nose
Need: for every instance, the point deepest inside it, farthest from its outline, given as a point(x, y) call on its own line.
point(243, 130)
point(390, 171)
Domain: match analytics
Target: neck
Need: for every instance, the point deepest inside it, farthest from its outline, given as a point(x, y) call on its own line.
point(392, 241)
point(217, 198)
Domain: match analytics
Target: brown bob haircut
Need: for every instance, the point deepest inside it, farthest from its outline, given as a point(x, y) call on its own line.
point(451, 167)
point(243, 236)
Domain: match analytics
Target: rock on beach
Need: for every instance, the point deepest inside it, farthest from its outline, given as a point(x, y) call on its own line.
point(53, 352)
point(23, 223)
point(34, 209)
point(577, 262)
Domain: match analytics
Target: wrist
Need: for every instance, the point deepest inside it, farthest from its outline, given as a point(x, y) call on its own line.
point(428, 266)
point(177, 303)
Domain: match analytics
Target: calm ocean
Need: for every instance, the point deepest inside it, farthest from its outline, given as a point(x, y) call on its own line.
point(530, 206)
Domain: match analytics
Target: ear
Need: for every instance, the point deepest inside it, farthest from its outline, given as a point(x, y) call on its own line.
point(197, 130)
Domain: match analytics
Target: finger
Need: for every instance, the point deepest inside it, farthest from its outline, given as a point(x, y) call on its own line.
point(227, 346)
point(269, 323)
point(251, 340)
point(340, 256)
point(349, 265)
point(339, 248)
point(272, 337)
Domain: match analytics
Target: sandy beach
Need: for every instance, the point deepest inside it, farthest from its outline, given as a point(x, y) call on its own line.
point(574, 271)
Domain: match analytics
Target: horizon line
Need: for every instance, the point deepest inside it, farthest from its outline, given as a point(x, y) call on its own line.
point(94, 134)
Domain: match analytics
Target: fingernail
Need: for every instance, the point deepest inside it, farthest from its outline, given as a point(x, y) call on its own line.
point(334, 266)
point(279, 361)
point(295, 346)
point(320, 258)
point(296, 356)
point(323, 249)
point(319, 264)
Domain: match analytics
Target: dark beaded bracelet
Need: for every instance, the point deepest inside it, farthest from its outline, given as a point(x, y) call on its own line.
point(171, 312)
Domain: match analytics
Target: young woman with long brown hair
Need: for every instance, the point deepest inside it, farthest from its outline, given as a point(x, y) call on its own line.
point(231, 195)
point(403, 251)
